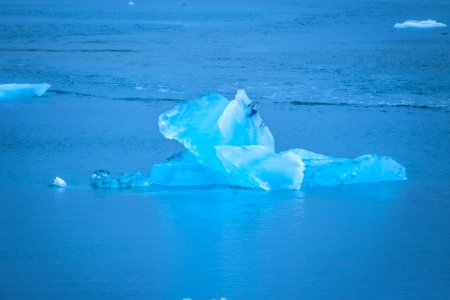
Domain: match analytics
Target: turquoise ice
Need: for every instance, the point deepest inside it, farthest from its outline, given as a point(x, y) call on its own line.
point(103, 179)
point(261, 168)
point(213, 120)
point(228, 144)
point(201, 125)
point(183, 169)
point(14, 91)
point(321, 170)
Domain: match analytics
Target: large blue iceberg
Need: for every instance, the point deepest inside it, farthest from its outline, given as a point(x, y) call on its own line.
point(228, 144)
point(13, 91)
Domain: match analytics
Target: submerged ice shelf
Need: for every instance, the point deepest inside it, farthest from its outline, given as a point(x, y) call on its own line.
point(227, 143)
point(13, 91)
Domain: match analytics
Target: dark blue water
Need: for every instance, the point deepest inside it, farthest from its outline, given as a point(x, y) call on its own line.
point(333, 77)
point(328, 51)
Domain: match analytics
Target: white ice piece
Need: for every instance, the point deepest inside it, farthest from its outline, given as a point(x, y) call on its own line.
point(59, 182)
point(419, 24)
point(14, 91)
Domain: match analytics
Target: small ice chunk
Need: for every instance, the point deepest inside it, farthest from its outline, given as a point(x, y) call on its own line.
point(260, 168)
point(131, 3)
point(419, 24)
point(59, 182)
point(14, 91)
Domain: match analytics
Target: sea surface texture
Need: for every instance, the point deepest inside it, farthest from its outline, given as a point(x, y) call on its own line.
point(332, 76)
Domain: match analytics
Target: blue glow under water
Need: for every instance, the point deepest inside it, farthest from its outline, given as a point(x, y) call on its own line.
point(333, 77)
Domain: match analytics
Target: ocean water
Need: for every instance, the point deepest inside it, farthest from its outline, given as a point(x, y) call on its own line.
point(333, 77)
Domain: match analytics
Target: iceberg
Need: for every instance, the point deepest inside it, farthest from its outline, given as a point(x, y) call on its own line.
point(228, 144)
point(14, 91)
point(419, 24)
point(59, 182)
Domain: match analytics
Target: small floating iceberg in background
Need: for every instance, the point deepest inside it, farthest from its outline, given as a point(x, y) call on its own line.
point(227, 143)
point(59, 182)
point(419, 24)
point(15, 91)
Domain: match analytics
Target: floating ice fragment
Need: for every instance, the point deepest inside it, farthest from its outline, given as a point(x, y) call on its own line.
point(419, 24)
point(59, 182)
point(14, 91)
